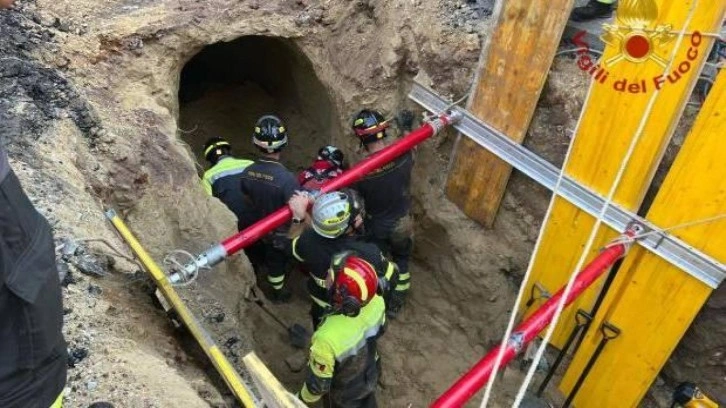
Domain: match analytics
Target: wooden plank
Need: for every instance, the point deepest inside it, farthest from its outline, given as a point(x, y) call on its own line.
point(514, 68)
point(652, 302)
point(273, 393)
point(609, 123)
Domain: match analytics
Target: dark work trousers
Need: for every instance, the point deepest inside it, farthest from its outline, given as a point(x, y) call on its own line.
point(394, 238)
point(275, 258)
point(354, 385)
point(33, 357)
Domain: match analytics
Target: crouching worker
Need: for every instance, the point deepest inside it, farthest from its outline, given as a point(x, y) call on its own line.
point(343, 354)
point(33, 357)
point(328, 165)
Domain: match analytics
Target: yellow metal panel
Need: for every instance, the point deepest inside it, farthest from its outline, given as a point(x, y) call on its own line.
point(652, 302)
point(610, 121)
point(220, 362)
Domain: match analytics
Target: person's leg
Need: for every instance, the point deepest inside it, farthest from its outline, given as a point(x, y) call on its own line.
point(401, 244)
point(276, 263)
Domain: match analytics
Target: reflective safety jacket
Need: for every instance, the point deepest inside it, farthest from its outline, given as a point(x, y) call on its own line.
point(268, 185)
point(343, 356)
point(223, 181)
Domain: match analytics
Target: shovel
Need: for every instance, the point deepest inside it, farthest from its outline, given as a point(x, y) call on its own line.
point(297, 334)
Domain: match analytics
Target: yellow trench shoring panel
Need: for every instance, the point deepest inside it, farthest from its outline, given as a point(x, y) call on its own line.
point(220, 362)
point(651, 301)
point(618, 102)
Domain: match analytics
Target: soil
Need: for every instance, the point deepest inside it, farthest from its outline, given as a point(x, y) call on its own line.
point(105, 104)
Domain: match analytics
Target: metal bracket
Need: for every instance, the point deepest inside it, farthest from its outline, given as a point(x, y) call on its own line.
point(697, 264)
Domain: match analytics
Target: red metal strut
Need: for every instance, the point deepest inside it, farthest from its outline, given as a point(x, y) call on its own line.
point(246, 237)
point(474, 379)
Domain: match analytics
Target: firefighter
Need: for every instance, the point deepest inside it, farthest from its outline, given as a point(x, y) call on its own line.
point(386, 193)
point(268, 185)
point(688, 395)
point(222, 181)
point(33, 356)
point(594, 9)
point(343, 354)
point(328, 165)
point(337, 218)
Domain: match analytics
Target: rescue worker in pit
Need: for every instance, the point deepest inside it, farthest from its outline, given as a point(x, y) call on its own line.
point(328, 165)
point(337, 218)
point(222, 181)
point(343, 359)
point(267, 186)
point(688, 395)
point(386, 192)
point(33, 355)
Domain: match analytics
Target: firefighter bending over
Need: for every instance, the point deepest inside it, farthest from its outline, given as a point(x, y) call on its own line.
point(343, 354)
point(328, 165)
point(337, 219)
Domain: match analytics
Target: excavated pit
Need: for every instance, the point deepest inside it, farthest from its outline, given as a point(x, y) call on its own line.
point(227, 86)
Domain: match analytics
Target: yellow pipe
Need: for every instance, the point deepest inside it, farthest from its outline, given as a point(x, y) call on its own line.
point(220, 362)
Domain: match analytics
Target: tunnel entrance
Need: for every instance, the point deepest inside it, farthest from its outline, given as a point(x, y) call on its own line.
point(227, 86)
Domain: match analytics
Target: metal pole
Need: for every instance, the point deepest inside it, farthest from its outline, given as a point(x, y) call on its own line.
point(243, 239)
point(477, 376)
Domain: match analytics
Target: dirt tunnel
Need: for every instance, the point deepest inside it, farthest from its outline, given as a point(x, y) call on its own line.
point(227, 86)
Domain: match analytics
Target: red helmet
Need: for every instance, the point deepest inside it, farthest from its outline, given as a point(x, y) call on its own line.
point(352, 282)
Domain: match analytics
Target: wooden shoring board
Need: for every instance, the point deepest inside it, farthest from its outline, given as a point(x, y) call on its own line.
point(652, 302)
point(609, 124)
point(514, 68)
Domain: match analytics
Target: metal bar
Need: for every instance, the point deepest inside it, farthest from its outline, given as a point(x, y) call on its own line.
point(249, 235)
point(205, 341)
point(474, 379)
point(697, 264)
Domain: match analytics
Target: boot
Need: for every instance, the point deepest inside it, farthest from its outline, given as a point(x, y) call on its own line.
point(591, 11)
point(279, 296)
point(394, 304)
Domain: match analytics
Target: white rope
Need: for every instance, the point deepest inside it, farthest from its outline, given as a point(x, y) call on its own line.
point(527, 274)
point(618, 178)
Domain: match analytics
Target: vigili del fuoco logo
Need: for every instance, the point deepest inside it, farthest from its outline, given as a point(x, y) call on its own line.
point(639, 40)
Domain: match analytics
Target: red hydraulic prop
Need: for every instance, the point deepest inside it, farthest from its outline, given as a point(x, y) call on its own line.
point(245, 238)
point(471, 382)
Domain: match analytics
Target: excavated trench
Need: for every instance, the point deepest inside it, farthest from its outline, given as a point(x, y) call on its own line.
point(222, 90)
point(227, 86)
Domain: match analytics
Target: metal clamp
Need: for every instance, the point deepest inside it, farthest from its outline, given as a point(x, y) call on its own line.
point(516, 340)
point(697, 264)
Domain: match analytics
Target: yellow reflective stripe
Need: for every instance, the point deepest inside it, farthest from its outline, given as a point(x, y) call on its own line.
point(275, 279)
point(361, 283)
point(390, 270)
point(308, 396)
point(294, 249)
point(58, 402)
point(320, 282)
point(403, 287)
point(214, 146)
point(319, 301)
point(404, 276)
point(207, 186)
